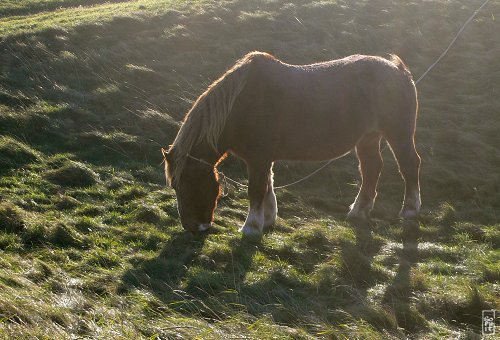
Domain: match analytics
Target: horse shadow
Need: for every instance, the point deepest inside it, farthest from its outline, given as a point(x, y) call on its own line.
point(399, 292)
point(216, 287)
point(164, 273)
point(202, 291)
point(357, 257)
point(191, 283)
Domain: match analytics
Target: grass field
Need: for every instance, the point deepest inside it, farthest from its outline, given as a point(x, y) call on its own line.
point(90, 241)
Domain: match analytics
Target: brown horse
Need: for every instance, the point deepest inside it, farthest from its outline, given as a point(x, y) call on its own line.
point(263, 110)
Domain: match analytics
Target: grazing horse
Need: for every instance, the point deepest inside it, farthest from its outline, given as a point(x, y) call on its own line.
point(263, 110)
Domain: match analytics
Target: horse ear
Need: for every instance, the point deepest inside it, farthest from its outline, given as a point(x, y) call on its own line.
point(167, 155)
point(167, 159)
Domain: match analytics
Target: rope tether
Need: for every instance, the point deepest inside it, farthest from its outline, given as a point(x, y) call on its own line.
point(331, 160)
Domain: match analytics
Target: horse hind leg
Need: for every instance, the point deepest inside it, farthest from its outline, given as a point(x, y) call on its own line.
point(409, 166)
point(270, 204)
point(370, 166)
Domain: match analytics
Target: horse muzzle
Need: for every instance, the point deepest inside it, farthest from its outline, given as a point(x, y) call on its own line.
point(197, 227)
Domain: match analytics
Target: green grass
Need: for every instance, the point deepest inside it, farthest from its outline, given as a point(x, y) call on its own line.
point(70, 13)
point(90, 241)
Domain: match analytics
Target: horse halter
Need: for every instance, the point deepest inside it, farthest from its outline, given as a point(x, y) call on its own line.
point(202, 161)
point(222, 178)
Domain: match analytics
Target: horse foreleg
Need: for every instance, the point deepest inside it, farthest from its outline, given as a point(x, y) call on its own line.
point(370, 166)
point(258, 180)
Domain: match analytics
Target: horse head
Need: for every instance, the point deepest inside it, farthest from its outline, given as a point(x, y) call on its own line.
point(196, 187)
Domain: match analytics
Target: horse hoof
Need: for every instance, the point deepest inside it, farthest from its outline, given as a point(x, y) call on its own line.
point(357, 215)
point(408, 214)
point(204, 226)
point(268, 227)
point(250, 231)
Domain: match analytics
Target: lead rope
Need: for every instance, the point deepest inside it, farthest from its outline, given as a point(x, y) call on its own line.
point(238, 184)
point(452, 41)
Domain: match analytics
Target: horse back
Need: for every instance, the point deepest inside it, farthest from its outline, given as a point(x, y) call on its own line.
point(319, 110)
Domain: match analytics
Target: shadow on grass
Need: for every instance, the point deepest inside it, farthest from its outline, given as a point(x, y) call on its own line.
point(164, 273)
point(192, 283)
point(357, 258)
point(217, 277)
point(242, 277)
point(399, 292)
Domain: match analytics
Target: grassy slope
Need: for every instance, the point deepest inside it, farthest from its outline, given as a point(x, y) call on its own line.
point(90, 244)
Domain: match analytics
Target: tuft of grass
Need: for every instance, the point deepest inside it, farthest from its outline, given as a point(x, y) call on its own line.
point(10, 242)
point(90, 210)
point(148, 214)
point(72, 174)
point(86, 225)
point(64, 202)
point(11, 218)
point(34, 235)
point(40, 272)
point(64, 236)
point(14, 154)
point(131, 192)
point(103, 259)
point(446, 214)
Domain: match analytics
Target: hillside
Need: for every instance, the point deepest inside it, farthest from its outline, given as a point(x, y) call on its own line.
point(90, 241)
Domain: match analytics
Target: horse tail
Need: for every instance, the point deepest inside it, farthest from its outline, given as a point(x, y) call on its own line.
point(393, 58)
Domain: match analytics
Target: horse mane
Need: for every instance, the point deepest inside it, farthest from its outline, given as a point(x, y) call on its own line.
point(206, 119)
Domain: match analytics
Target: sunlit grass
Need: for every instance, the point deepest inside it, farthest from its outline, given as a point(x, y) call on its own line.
point(67, 17)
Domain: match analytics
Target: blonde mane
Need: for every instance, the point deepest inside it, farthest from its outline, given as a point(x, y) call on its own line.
point(206, 120)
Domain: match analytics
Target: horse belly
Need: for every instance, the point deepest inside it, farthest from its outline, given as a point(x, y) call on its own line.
point(318, 136)
point(321, 124)
point(314, 149)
